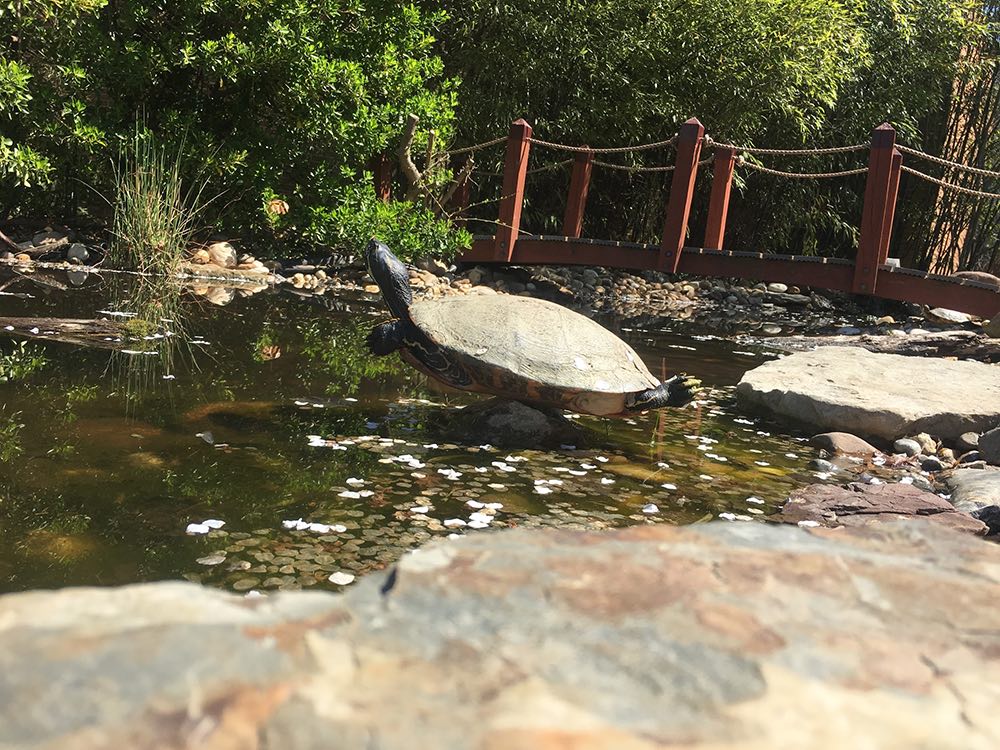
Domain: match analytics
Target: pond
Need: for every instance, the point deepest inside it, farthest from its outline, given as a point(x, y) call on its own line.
point(266, 414)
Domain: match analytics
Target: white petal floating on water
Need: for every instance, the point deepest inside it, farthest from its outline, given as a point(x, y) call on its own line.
point(254, 594)
point(606, 480)
point(740, 420)
point(420, 509)
point(795, 455)
point(542, 489)
point(662, 465)
point(577, 473)
point(515, 459)
point(118, 313)
point(668, 486)
point(494, 506)
point(483, 517)
point(350, 494)
point(762, 463)
point(214, 523)
point(706, 477)
point(728, 516)
point(602, 459)
point(454, 522)
point(477, 524)
point(11, 328)
point(481, 470)
point(212, 559)
point(170, 377)
point(756, 500)
point(355, 481)
point(350, 399)
point(475, 504)
point(320, 528)
point(808, 524)
point(338, 528)
point(588, 467)
point(497, 486)
point(197, 528)
point(823, 474)
point(650, 508)
point(418, 475)
point(365, 493)
point(341, 578)
point(291, 524)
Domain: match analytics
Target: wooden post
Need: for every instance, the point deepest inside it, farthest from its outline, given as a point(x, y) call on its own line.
point(681, 194)
point(382, 174)
point(515, 167)
point(460, 202)
point(718, 204)
point(874, 214)
point(579, 186)
point(890, 205)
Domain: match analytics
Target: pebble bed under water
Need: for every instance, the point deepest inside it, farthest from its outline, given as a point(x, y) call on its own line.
point(275, 455)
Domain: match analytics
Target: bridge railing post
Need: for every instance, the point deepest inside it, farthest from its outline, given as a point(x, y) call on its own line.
point(890, 206)
point(718, 203)
point(681, 195)
point(381, 167)
point(878, 211)
point(579, 186)
point(515, 168)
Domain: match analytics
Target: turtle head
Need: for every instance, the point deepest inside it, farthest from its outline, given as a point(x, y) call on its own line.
point(391, 276)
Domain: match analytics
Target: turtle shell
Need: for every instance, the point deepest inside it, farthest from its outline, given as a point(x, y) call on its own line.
point(533, 340)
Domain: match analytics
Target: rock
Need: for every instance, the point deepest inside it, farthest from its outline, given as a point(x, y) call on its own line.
point(200, 256)
point(372, 289)
point(886, 320)
point(992, 329)
point(48, 238)
point(970, 457)
point(432, 265)
point(980, 276)
point(788, 299)
point(754, 636)
point(943, 315)
point(843, 442)
point(990, 515)
point(512, 424)
point(220, 295)
point(857, 391)
point(967, 441)
point(927, 444)
point(906, 446)
point(989, 446)
point(222, 254)
point(821, 464)
point(931, 463)
point(972, 489)
point(777, 288)
point(22, 257)
point(947, 455)
point(860, 504)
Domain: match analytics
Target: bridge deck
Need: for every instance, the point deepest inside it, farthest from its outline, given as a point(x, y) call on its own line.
point(901, 284)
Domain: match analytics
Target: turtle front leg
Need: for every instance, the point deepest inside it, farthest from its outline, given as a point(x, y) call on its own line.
point(675, 391)
point(386, 338)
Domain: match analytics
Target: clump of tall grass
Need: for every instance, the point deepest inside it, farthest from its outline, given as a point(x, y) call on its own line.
point(155, 215)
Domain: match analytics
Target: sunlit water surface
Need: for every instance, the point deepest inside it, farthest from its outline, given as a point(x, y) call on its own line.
point(267, 412)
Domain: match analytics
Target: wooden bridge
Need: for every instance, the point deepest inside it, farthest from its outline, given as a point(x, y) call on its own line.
point(868, 273)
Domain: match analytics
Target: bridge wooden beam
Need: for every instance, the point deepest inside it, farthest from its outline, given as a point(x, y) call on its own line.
point(801, 271)
point(718, 203)
point(681, 194)
point(579, 187)
point(515, 169)
point(381, 167)
point(878, 211)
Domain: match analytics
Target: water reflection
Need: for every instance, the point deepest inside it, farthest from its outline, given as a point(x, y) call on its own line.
point(275, 413)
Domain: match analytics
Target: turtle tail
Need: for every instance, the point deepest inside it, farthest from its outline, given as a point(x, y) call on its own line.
point(675, 391)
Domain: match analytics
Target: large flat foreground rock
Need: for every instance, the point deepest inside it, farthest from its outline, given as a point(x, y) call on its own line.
point(740, 635)
point(876, 395)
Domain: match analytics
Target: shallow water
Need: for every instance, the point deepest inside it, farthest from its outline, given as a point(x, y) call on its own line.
point(270, 413)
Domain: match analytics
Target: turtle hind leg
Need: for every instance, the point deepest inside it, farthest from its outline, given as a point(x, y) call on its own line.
point(385, 338)
point(675, 391)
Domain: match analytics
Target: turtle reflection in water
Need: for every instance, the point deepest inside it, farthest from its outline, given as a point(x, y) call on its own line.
point(516, 347)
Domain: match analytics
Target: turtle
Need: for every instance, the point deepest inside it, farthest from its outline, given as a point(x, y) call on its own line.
point(519, 348)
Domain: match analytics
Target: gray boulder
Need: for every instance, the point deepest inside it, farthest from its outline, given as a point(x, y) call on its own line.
point(973, 489)
point(989, 446)
point(843, 442)
point(876, 395)
point(708, 636)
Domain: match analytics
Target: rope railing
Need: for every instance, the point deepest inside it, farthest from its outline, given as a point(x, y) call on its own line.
point(800, 175)
point(709, 142)
point(949, 185)
point(536, 170)
point(946, 163)
point(665, 168)
point(614, 150)
point(474, 147)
